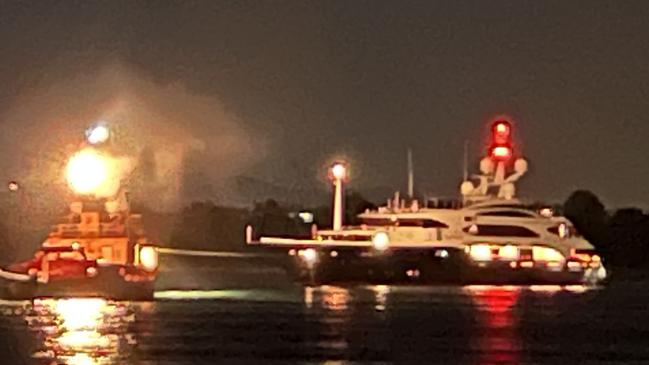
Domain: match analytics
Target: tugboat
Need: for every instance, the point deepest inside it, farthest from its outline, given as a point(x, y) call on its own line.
point(486, 236)
point(97, 249)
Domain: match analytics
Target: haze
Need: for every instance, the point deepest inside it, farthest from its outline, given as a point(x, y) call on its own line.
point(273, 91)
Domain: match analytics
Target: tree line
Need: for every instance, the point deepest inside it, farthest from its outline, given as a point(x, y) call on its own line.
point(207, 226)
point(621, 236)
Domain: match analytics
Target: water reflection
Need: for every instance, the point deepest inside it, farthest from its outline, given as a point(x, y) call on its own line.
point(497, 339)
point(308, 297)
point(331, 303)
point(335, 298)
point(381, 293)
point(332, 298)
point(89, 331)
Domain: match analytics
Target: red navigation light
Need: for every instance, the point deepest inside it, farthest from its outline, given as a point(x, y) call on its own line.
point(500, 148)
point(502, 127)
point(501, 153)
point(501, 131)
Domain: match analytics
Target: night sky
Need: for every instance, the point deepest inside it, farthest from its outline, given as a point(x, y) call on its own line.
point(275, 90)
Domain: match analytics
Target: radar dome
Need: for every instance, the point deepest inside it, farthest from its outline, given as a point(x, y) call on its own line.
point(520, 166)
point(486, 166)
point(466, 188)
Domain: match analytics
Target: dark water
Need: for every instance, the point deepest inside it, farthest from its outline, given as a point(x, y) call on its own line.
point(337, 325)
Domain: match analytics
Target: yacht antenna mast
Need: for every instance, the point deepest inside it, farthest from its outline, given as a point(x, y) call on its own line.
point(465, 166)
point(411, 176)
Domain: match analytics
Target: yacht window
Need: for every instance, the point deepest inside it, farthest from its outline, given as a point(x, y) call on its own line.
point(431, 223)
point(425, 223)
point(72, 255)
point(347, 237)
point(377, 222)
point(498, 230)
point(507, 213)
point(503, 206)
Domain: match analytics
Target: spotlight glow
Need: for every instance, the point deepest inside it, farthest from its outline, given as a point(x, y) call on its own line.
point(87, 170)
point(149, 258)
point(339, 171)
point(98, 134)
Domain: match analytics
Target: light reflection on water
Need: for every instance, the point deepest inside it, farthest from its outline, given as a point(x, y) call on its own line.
point(333, 304)
point(499, 342)
point(499, 317)
point(381, 293)
point(335, 323)
point(88, 331)
point(335, 298)
point(496, 313)
point(331, 298)
point(338, 298)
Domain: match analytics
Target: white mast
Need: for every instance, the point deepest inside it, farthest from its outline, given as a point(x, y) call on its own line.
point(338, 205)
point(338, 173)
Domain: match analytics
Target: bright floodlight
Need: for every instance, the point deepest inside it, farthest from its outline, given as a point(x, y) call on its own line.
point(508, 252)
point(98, 134)
point(480, 252)
point(381, 241)
point(546, 254)
point(87, 170)
point(149, 258)
point(339, 171)
point(309, 255)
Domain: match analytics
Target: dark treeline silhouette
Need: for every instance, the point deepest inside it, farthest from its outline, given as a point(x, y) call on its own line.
point(271, 218)
point(622, 236)
point(206, 226)
point(203, 225)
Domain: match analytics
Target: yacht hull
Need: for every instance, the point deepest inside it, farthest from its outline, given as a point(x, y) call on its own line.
point(431, 266)
point(500, 275)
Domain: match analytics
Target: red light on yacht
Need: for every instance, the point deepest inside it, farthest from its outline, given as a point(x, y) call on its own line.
point(502, 128)
point(501, 132)
point(501, 153)
point(500, 147)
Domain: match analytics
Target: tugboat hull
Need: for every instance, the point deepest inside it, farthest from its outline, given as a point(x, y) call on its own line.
point(107, 284)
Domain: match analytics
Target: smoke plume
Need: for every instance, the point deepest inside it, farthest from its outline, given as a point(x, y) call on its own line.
point(160, 127)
